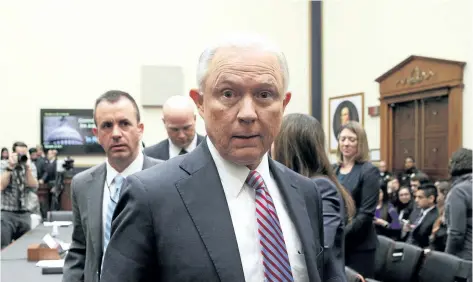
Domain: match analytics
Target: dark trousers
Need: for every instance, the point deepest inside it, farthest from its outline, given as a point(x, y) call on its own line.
point(14, 225)
point(362, 262)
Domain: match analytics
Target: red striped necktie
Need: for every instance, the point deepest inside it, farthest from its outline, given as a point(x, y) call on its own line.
point(273, 247)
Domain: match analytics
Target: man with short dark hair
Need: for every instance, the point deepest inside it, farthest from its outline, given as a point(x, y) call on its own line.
point(409, 171)
point(416, 180)
point(96, 191)
point(421, 222)
point(19, 200)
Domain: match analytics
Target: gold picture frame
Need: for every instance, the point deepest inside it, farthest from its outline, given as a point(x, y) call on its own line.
point(342, 109)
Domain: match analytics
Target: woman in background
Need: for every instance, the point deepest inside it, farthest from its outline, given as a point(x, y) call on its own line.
point(386, 217)
point(361, 178)
point(406, 204)
point(300, 146)
point(5, 154)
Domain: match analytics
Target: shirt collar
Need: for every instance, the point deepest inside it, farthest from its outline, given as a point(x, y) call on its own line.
point(135, 166)
point(233, 176)
point(189, 147)
point(426, 211)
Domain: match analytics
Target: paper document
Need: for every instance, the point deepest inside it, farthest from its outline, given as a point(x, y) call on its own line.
point(58, 223)
point(50, 263)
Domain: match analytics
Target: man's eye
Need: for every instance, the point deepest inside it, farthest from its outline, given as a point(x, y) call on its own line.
point(227, 93)
point(107, 125)
point(265, 94)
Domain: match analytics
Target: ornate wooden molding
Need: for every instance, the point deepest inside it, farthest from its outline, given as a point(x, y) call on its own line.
point(417, 76)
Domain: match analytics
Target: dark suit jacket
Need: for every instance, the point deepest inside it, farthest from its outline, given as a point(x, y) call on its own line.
point(161, 150)
point(363, 184)
point(421, 233)
point(84, 258)
point(334, 234)
point(172, 223)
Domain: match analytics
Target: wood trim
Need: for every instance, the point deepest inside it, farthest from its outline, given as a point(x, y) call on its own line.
point(390, 140)
point(414, 57)
point(417, 96)
point(422, 132)
point(384, 130)
point(443, 84)
point(455, 119)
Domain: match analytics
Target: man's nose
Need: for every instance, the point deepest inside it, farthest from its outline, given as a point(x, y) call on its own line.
point(247, 112)
point(116, 133)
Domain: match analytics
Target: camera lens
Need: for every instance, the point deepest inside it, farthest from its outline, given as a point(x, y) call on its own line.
point(22, 158)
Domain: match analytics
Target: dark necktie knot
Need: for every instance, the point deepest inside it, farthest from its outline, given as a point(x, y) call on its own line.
point(183, 152)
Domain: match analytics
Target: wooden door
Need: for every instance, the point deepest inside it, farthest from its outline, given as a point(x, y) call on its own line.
point(404, 133)
point(434, 137)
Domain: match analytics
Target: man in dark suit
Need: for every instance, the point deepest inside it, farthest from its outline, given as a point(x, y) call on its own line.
point(96, 190)
point(422, 220)
point(179, 120)
point(225, 211)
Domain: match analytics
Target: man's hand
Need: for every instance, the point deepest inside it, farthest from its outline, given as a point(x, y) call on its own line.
point(12, 160)
point(381, 222)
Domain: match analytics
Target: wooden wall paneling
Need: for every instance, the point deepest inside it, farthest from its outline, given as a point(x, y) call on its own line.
point(418, 78)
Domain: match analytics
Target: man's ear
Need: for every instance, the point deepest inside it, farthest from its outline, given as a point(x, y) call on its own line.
point(286, 100)
point(198, 99)
point(95, 131)
point(141, 128)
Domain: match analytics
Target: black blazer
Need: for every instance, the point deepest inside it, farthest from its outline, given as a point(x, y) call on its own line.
point(172, 223)
point(161, 150)
point(420, 236)
point(334, 234)
point(363, 184)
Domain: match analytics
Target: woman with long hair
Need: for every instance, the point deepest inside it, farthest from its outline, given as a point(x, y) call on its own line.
point(300, 146)
point(361, 178)
point(5, 154)
point(386, 219)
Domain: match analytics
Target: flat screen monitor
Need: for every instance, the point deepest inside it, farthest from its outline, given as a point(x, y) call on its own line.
point(69, 131)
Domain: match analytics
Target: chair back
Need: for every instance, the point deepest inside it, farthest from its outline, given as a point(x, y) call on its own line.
point(439, 266)
point(402, 264)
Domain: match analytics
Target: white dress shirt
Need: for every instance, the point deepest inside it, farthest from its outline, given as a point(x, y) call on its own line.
point(175, 150)
point(135, 166)
point(241, 203)
point(424, 213)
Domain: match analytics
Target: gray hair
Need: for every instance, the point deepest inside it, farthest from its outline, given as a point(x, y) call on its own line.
point(241, 41)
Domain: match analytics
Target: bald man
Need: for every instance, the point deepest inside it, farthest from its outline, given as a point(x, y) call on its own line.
point(179, 120)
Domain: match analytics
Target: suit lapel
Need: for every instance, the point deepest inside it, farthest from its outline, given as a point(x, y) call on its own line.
point(298, 213)
point(204, 198)
point(147, 163)
point(165, 150)
point(95, 199)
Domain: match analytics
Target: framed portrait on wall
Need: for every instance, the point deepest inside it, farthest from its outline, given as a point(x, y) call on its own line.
point(341, 110)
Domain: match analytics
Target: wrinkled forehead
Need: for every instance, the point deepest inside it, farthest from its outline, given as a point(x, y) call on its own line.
point(245, 65)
